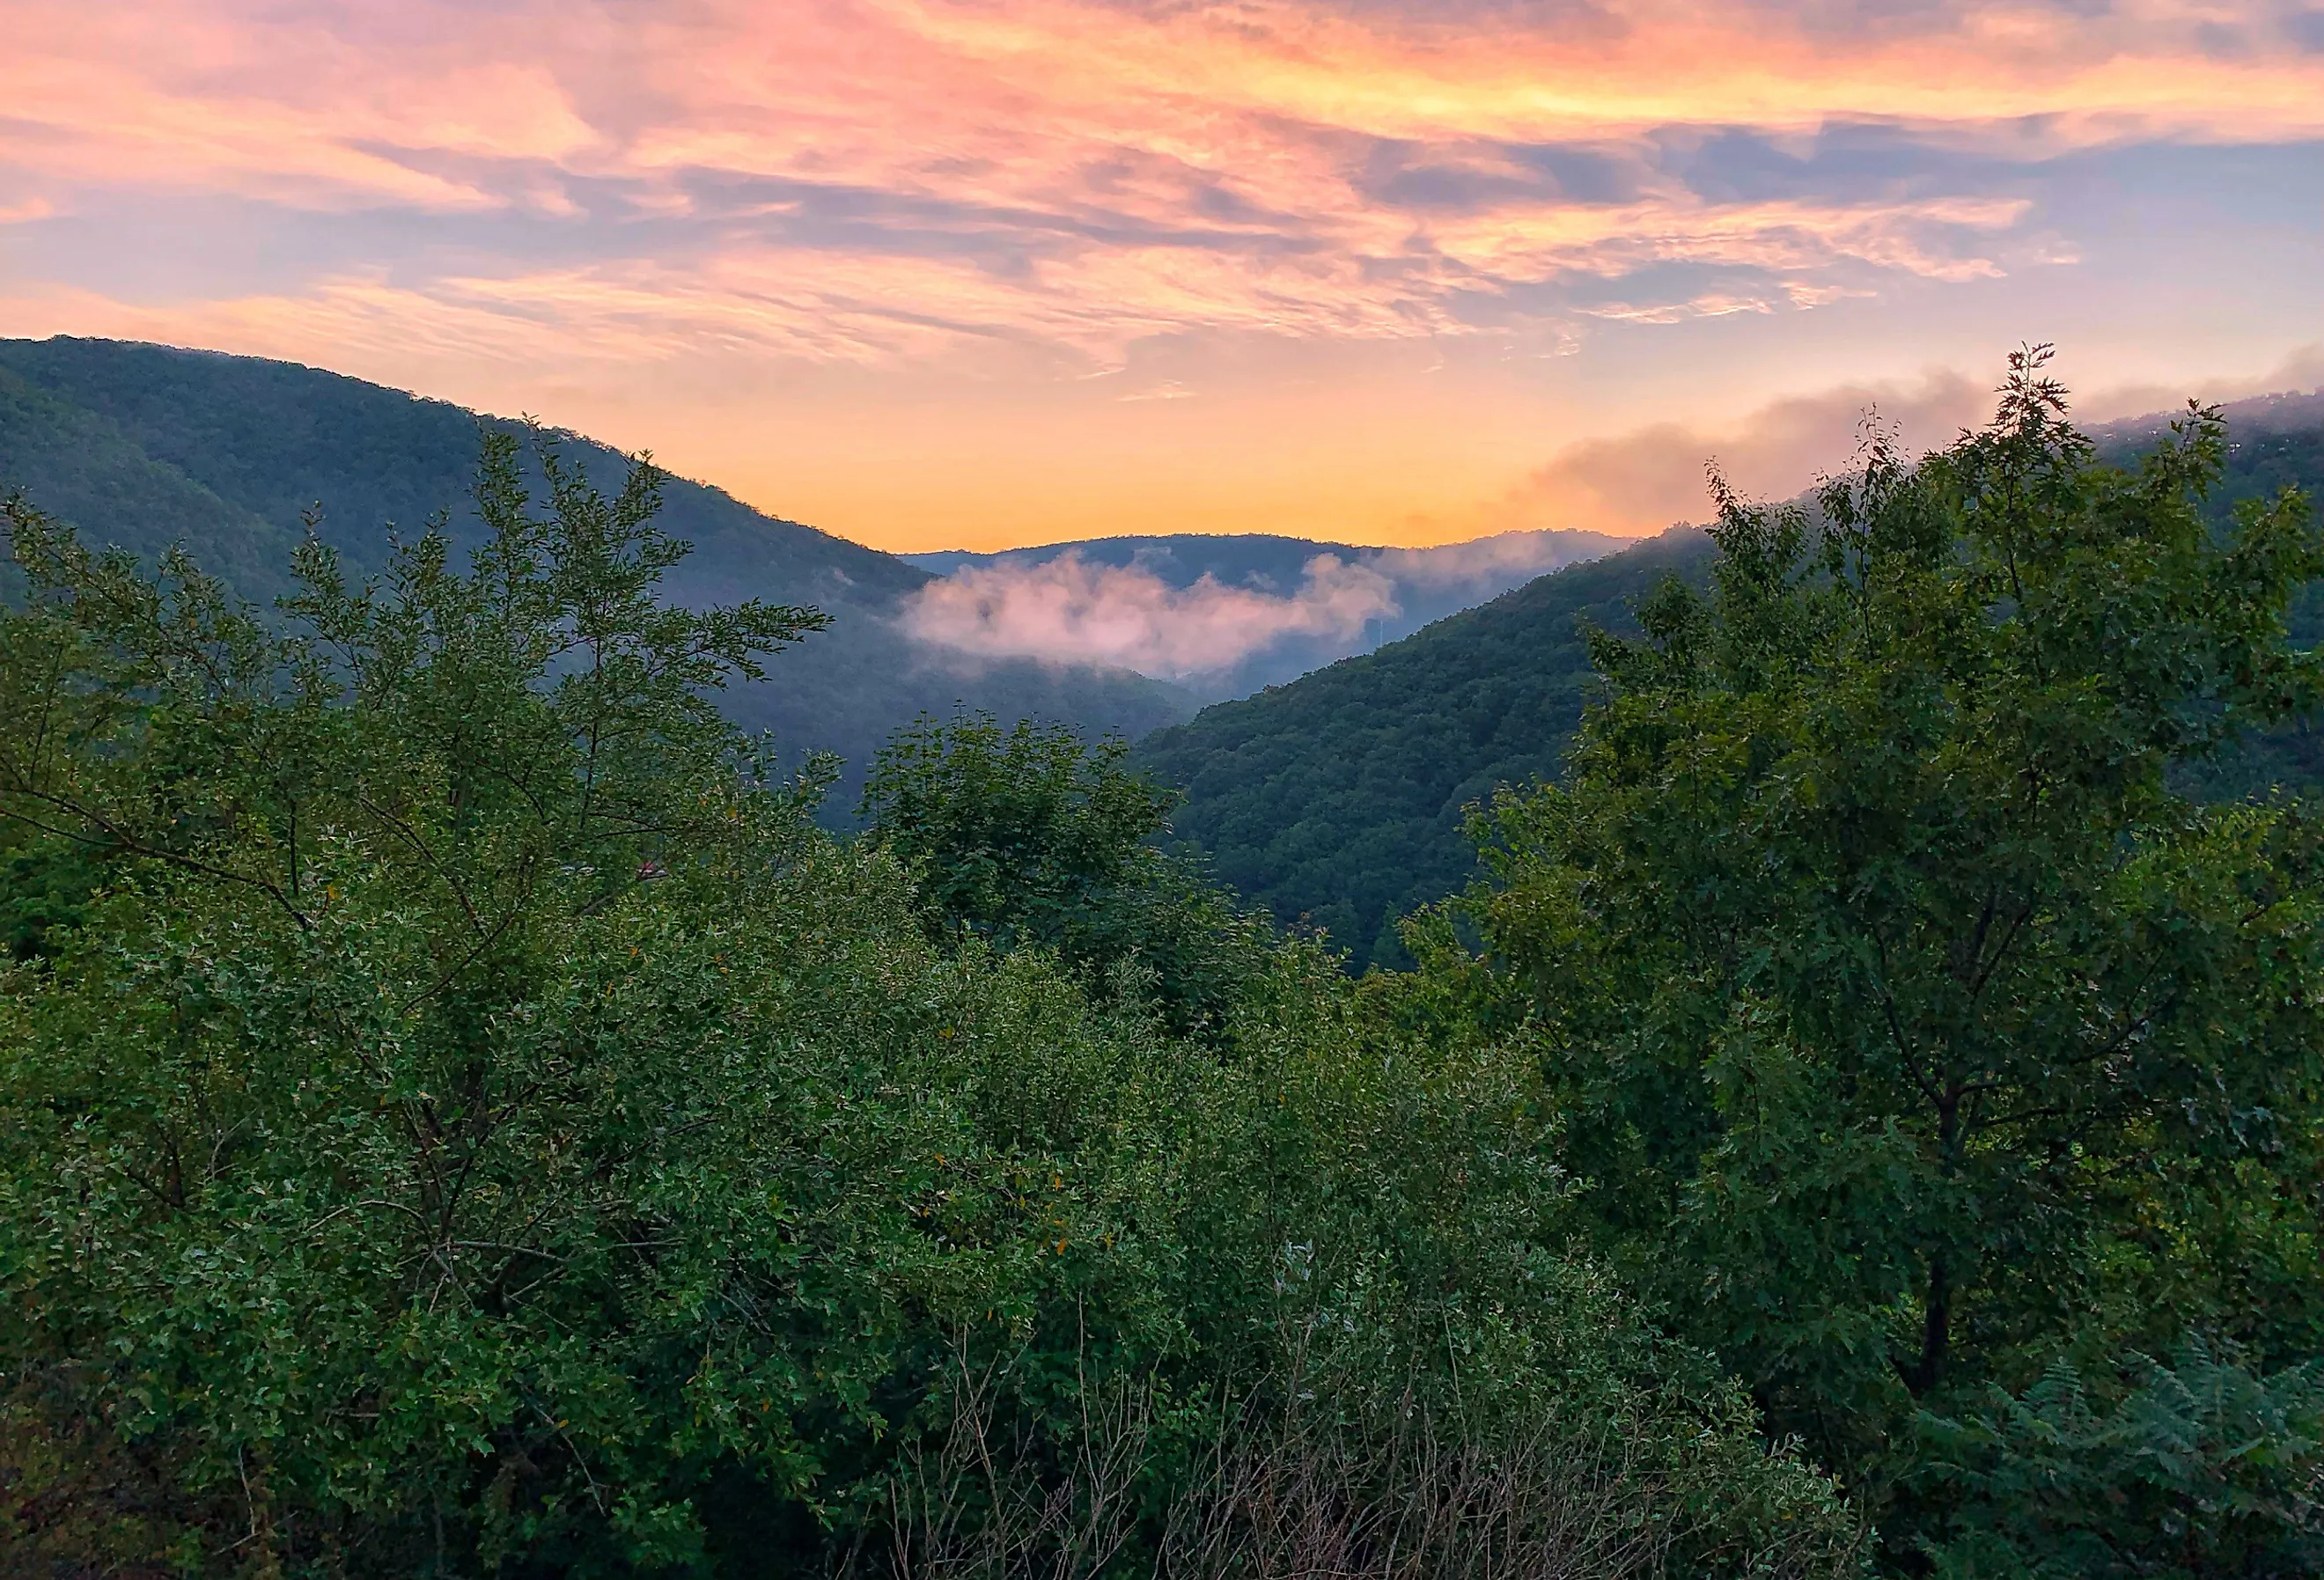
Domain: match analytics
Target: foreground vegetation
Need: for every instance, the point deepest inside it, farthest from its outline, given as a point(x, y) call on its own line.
point(459, 1114)
point(1935, 1060)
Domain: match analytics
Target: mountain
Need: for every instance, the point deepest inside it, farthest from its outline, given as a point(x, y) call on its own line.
point(1223, 616)
point(143, 445)
point(2273, 443)
point(1339, 799)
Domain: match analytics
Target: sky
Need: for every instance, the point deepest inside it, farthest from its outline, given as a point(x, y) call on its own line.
point(975, 273)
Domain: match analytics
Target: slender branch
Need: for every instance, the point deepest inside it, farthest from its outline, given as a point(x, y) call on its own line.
point(120, 838)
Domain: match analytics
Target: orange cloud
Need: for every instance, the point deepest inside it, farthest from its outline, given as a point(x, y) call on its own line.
point(1653, 476)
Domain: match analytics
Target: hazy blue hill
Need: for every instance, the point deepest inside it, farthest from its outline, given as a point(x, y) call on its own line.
point(1246, 560)
point(2289, 411)
point(81, 467)
point(1338, 797)
point(143, 445)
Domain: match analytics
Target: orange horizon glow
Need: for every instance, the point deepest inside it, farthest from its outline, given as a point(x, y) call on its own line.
point(939, 273)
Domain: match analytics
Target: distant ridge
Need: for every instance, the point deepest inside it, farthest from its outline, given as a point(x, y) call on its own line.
point(1265, 559)
point(2285, 411)
point(142, 444)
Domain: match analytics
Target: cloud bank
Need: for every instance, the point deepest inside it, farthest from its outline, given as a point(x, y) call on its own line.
point(1483, 567)
point(1655, 476)
point(1068, 610)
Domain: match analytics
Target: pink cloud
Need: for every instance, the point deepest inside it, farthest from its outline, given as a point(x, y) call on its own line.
point(1068, 609)
point(1061, 128)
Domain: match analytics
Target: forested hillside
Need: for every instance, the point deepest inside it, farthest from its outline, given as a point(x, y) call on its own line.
point(1338, 799)
point(143, 445)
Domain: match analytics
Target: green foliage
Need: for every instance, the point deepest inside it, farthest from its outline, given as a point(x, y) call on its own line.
point(1028, 836)
point(473, 1121)
point(1021, 832)
point(45, 887)
point(2202, 1468)
point(459, 1114)
point(543, 707)
point(1914, 1033)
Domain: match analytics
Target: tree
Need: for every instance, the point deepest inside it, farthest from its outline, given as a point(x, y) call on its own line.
point(1028, 836)
point(541, 716)
point(1914, 1034)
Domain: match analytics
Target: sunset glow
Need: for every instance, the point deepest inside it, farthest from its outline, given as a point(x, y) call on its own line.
point(976, 273)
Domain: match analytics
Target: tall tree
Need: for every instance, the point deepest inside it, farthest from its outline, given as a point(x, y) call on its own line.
point(1914, 1034)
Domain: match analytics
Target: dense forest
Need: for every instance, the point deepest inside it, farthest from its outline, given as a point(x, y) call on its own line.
point(1340, 800)
point(462, 1114)
point(143, 446)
